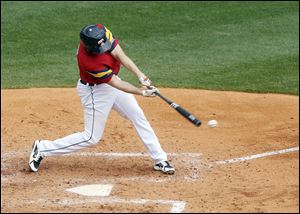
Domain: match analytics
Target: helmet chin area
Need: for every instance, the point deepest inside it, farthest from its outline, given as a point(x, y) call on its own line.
point(97, 50)
point(100, 49)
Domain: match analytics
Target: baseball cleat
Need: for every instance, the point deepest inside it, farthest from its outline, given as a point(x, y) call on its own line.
point(35, 157)
point(165, 167)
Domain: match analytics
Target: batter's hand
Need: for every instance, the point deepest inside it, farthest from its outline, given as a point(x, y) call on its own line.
point(151, 92)
point(145, 81)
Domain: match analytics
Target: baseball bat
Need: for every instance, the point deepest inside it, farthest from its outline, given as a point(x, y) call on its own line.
point(180, 110)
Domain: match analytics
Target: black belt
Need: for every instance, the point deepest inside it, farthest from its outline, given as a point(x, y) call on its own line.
point(89, 84)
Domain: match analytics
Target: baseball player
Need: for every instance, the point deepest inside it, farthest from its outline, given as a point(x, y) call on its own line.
point(100, 89)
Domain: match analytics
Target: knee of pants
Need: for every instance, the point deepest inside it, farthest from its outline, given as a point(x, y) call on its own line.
point(91, 138)
point(137, 115)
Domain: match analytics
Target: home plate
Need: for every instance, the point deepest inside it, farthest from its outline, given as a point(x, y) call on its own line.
point(93, 190)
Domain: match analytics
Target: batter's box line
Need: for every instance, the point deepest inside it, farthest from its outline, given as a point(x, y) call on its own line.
point(251, 157)
point(138, 154)
point(176, 206)
point(103, 154)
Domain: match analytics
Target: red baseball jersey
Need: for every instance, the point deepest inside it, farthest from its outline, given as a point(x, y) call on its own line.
point(98, 68)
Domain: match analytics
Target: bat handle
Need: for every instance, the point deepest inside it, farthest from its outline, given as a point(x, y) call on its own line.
point(165, 99)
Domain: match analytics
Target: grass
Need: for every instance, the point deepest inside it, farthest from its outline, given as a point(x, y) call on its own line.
point(230, 45)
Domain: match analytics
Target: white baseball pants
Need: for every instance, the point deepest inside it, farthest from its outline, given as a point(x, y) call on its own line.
point(97, 102)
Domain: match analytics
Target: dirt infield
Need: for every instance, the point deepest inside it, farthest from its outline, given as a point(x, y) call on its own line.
point(261, 127)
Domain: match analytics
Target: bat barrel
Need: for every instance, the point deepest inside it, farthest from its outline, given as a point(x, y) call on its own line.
point(181, 110)
point(197, 123)
point(187, 115)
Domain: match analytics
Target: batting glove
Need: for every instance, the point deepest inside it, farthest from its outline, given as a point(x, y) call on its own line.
point(151, 92)
point(145, 81)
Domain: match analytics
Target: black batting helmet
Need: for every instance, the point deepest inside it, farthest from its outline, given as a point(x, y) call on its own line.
point(91, 35)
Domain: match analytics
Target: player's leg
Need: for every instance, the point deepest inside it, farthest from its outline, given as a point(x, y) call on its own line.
point(128, 107)
point(97, 102)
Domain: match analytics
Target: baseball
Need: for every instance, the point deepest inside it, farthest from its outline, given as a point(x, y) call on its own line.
point(212, 123)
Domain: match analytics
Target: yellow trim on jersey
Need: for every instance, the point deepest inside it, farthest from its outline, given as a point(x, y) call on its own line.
point(101, 74)
point(109, 35)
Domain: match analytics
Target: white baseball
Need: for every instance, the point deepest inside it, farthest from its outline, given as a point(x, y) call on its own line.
point(212, 123)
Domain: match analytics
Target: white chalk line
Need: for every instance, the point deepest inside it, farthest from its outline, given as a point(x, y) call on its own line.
point(176, 206)
point(118, 155)
point(106, 154)
point(246, 158)
point(143, 179)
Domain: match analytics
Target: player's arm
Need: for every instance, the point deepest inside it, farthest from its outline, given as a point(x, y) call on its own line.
point(129, 88)
point(119, 54)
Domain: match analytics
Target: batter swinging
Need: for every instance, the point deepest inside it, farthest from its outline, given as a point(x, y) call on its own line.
point(100, 90)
